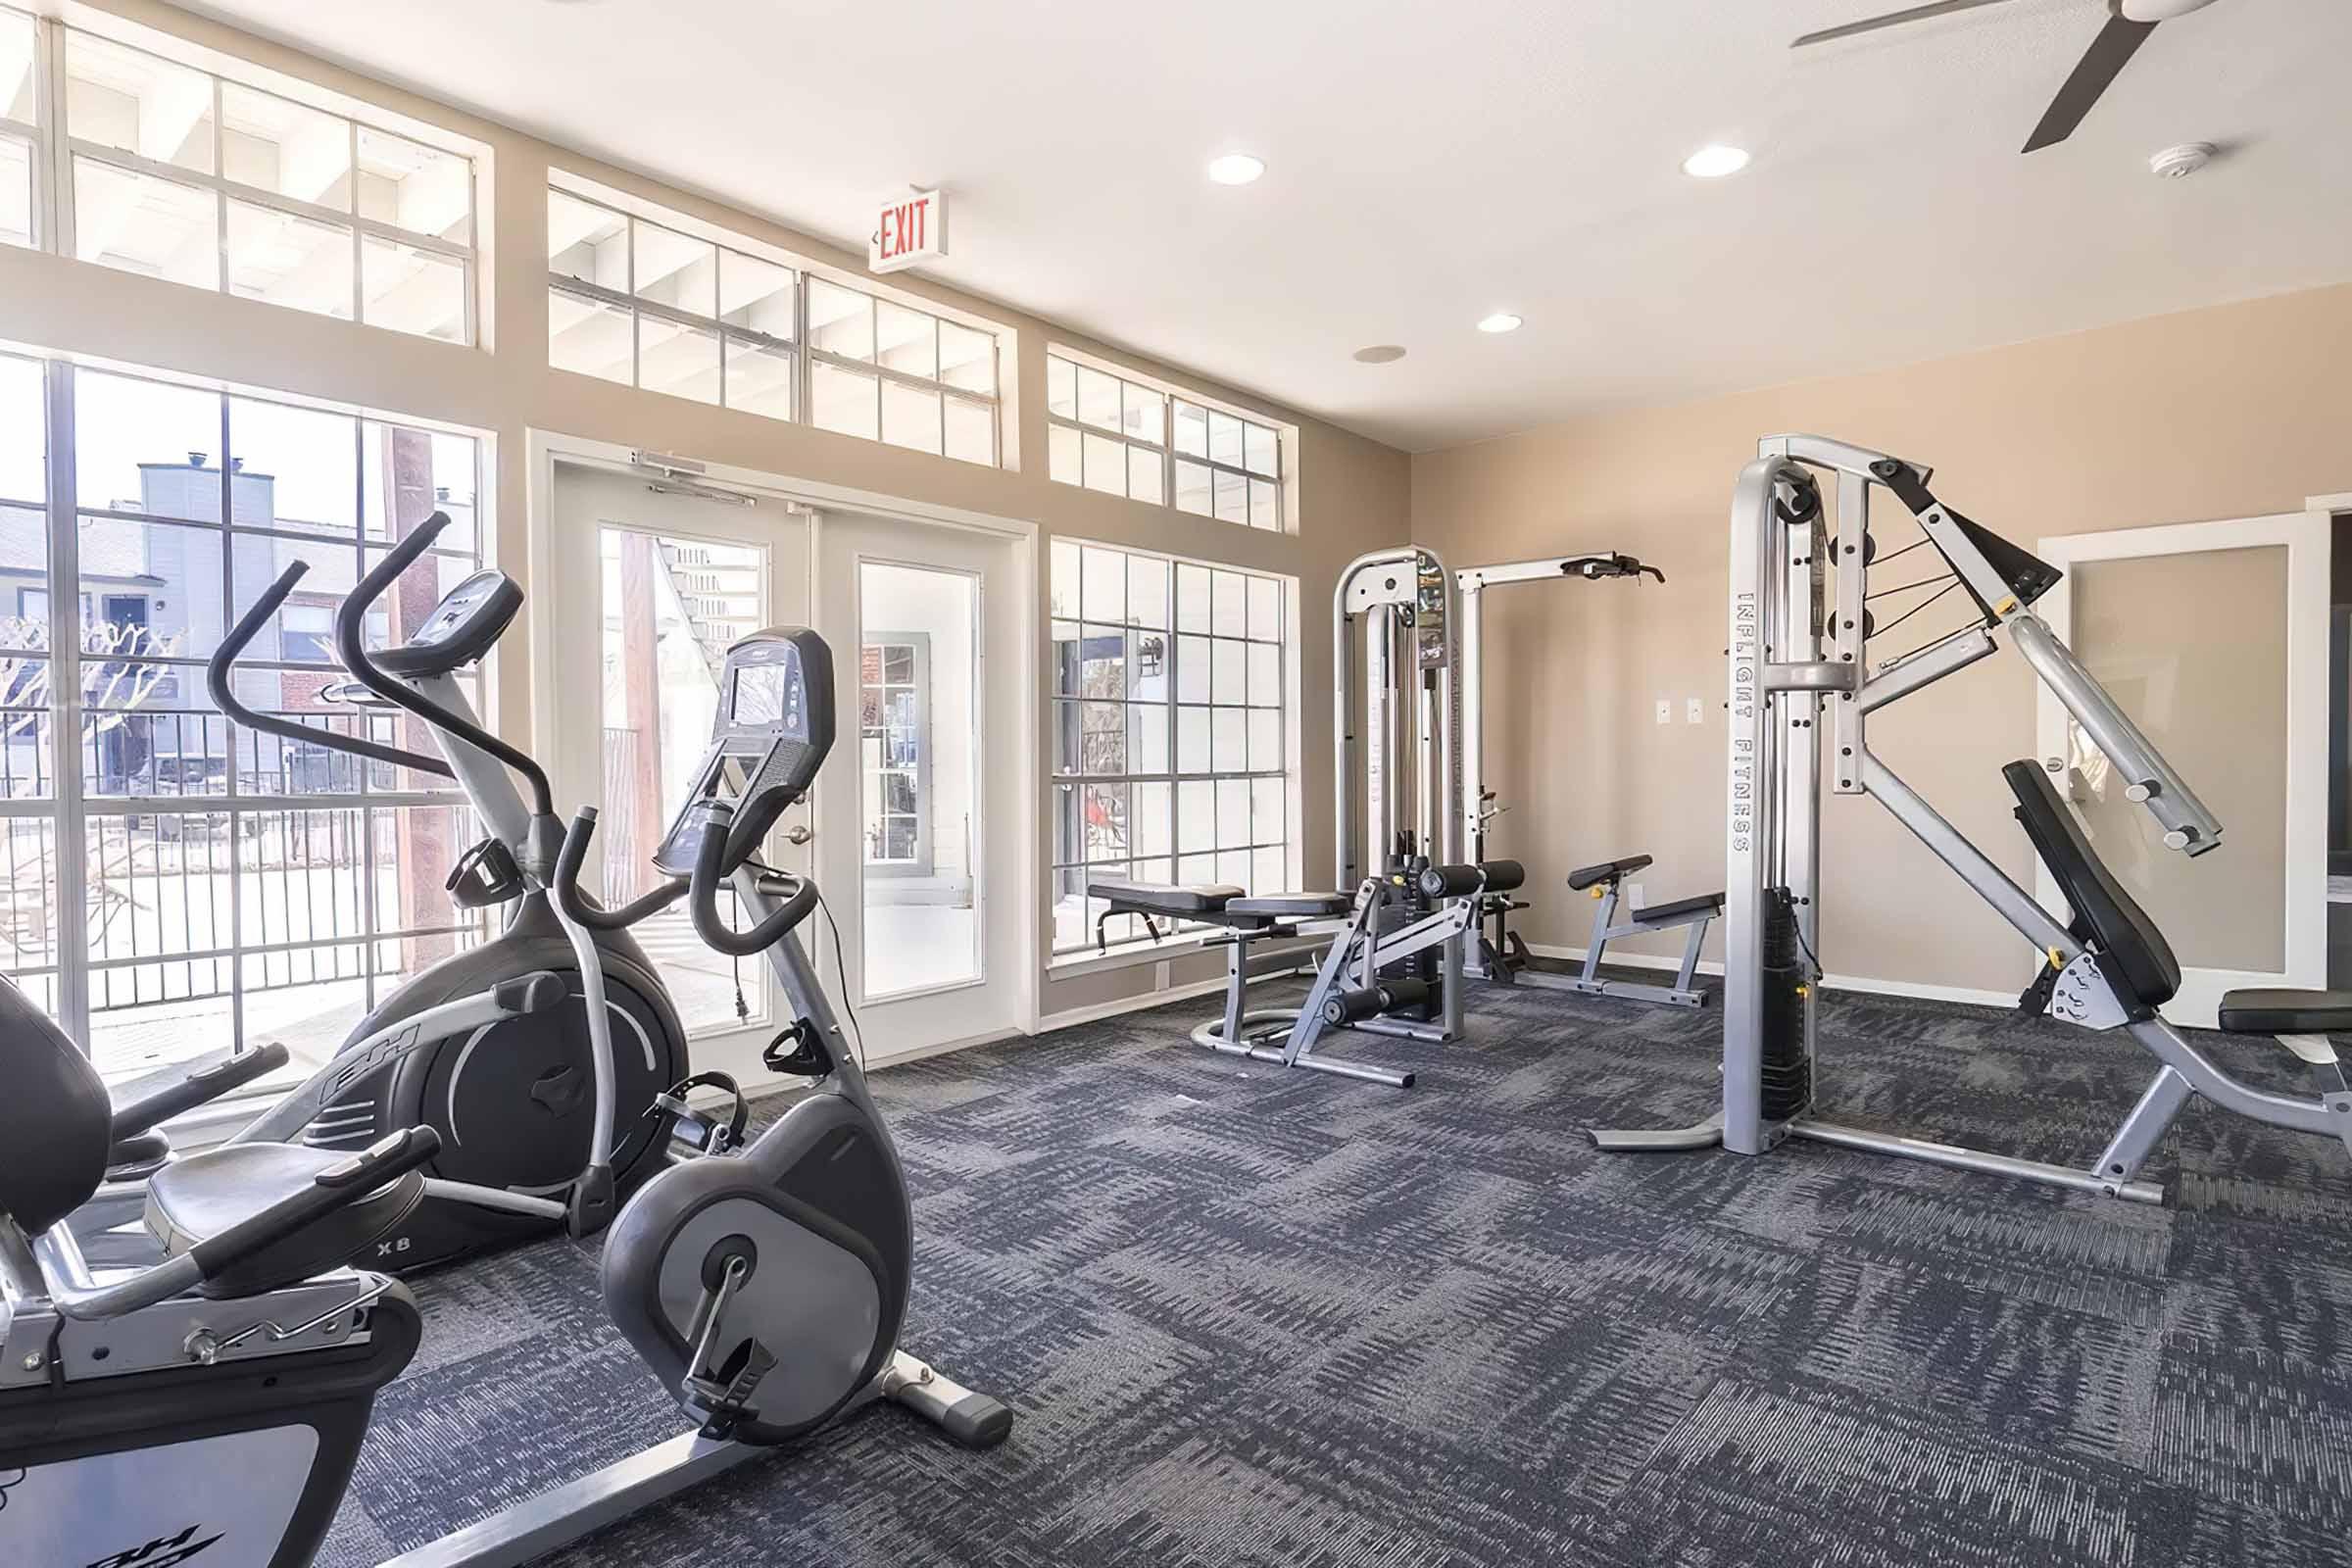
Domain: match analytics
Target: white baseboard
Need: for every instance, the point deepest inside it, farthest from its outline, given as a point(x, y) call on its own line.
point(1072, 1016)
point(1833, 982)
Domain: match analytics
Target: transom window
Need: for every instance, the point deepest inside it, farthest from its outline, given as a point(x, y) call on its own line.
point(173, 172)
point(170, 882)
point(1125, 438)
point(640, 302)
point(19, 127)
point(1169, 721)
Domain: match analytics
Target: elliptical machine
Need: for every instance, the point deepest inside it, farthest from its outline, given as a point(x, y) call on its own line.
point(538, 1056)
point(215, 1402)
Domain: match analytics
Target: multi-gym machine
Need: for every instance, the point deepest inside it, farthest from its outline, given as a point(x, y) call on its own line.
point(1800, 674)
point(1498, 953)
point(1396, 941)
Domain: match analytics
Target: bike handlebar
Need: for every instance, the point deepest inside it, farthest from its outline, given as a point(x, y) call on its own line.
point(351, 647)
point(709, 871)
point(220, 670)
point(577, 908)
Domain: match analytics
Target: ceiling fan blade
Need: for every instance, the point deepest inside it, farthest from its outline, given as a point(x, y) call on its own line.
point(1893, 19)
point(2108, 54)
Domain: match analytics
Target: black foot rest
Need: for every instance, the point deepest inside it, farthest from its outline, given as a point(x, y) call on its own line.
point(1293, 906)
point(1584, 876)
point(2287, 1012)
point(1680, 909)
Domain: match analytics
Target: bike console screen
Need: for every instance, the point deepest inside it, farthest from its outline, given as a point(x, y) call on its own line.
point(773, 730)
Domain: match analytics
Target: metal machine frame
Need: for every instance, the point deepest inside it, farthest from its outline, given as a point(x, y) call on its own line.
point(1471, 798)
point(1784, 681)
point(1408, 606)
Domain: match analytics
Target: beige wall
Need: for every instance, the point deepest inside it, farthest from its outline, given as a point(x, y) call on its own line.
point(1349, 488)
point(2232, 412)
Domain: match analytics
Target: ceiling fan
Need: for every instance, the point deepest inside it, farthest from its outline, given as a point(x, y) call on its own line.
point(2129, 24)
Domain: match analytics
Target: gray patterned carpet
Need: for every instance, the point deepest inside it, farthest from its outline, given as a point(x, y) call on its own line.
point(1249, 1316)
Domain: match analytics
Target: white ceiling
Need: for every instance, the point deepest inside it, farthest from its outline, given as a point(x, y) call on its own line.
point(1429, 160)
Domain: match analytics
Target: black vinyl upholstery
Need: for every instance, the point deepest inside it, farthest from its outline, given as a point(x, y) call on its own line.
point(203, 1195)
point(1198, 901)
point(2134, 951)
point(1293, 906)
point(1584, 876)
point(56, 1122)
point(2287, 1012)
point(1680, 909)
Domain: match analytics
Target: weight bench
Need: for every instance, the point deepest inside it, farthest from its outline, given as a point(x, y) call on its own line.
point(1242, 920)
point(1386, 923)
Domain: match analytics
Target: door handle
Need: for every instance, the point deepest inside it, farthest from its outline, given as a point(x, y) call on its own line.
point(797, 834)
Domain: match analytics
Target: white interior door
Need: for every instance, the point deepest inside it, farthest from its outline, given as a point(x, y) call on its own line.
point(918, 841)
point(2214, 638)
point(648, 588)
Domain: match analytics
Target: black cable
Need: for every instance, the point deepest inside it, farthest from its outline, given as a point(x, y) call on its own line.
point(1913, 610)
point(1904, 588)
point(841, 969)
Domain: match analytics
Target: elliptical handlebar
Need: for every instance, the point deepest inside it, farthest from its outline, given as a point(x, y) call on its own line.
point(710, 869)
point(219, 679)
point(566, 884)
point(351, 647)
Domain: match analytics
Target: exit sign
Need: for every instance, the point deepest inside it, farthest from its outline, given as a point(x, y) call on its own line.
point(909, 229)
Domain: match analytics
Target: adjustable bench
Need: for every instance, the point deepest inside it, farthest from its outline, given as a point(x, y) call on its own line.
point(1506, 959)
point(1242, 919)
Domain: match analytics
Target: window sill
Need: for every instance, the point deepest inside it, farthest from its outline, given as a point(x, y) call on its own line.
point(1126, 956)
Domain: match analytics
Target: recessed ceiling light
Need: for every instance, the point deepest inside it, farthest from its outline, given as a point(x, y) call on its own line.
point(1380, 354)
point(1715, 162)
point(1499, 321)
point(1236, 168)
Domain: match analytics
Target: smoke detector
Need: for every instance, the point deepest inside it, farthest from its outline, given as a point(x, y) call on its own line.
point(2179, 162)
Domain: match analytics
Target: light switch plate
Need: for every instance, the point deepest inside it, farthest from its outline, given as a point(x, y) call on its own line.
point(1697, 711)
point(1665, 711)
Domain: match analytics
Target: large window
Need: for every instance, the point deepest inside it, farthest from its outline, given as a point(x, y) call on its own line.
point(175, 173)
point(1125, 438)
point(19, 129)
point(1168, 713)
point(170, 882)
point(648, 304)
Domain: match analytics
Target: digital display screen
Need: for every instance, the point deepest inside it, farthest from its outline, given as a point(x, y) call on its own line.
point(760, 692)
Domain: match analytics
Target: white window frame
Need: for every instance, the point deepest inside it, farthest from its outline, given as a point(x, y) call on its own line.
point(70, 807)
point(1163, 454)
point(805, 354)
point(55, 197)
point(1174, 775)
point(35, 134)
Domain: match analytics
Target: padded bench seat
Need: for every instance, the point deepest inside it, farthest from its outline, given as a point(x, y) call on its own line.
point(1177, 899)
point(1293, 905)
point(1585, 876)
point(1680, 909)
point(2287, 1012)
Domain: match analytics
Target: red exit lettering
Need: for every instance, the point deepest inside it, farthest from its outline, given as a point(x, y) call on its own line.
point(906, 228)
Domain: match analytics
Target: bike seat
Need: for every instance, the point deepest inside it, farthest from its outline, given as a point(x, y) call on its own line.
point(206, 1195)
point(1584, 876)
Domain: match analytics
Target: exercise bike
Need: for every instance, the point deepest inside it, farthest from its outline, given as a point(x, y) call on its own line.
point(535, 1055)
point(210, 1407)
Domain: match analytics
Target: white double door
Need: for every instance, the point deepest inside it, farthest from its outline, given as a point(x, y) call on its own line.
point(910, 831)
